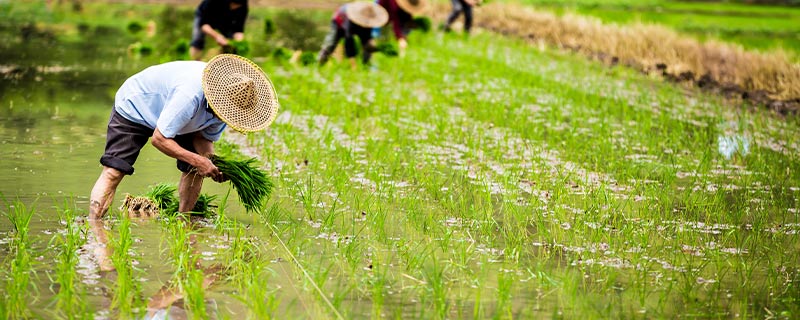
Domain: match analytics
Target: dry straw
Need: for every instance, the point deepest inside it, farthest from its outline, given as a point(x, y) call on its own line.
point(651, 48)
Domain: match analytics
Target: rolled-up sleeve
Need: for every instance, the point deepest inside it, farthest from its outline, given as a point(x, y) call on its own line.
point(214, 132)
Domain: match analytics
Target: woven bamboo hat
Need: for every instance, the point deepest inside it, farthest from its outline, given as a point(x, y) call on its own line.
point(413, 7)
point(366, 14)
point(240, 93)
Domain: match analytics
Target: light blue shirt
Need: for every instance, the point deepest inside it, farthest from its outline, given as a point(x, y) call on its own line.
point(169, 97)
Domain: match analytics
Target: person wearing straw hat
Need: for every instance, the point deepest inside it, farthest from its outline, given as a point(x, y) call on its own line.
point(355, 19)
point(459, 7)
point(401, 15)
point(222, 20)
point(183, 106)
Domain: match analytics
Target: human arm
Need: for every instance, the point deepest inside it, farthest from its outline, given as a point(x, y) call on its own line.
point(218, 37)
point(171, 148)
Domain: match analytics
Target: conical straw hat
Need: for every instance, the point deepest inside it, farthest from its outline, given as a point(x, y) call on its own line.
point(240, 93)
point(413, 7)
point(366, 14)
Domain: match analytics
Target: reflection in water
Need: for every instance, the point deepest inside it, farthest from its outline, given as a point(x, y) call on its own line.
point(729, 145)
point(168, 302)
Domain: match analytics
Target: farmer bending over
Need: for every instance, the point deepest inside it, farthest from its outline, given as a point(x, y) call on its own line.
point(401, 15)
point(184, 106)
point(355, 19)
point(219, 19)
point(459, 7)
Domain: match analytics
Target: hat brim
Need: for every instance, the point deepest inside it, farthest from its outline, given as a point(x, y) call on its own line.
point(413, 9)
point(354, 12)
point(254, 117)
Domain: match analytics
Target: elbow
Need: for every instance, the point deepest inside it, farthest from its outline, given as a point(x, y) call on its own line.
point(157, 141)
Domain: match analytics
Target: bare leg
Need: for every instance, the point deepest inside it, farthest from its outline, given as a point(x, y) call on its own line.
point(101, 198)
point(103, 192)
point(188, 191)
point(99, 245)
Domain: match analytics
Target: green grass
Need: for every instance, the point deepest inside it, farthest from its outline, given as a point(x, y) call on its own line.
point(481, 177)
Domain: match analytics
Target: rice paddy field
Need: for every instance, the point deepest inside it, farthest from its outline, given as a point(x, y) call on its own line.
point(477, 177)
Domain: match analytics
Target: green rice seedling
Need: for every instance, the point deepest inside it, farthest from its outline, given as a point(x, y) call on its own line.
point(269, 27)
point(127, 291)
point(308, 58)
point(163, 195)
point(70, 296)
point(251, 183)
point(281, 54)
point(241, 48)
point(194, 293)
point(134, 27)
point(204, 205)
point(422, 23)
point(18, 286)
point(388, 48)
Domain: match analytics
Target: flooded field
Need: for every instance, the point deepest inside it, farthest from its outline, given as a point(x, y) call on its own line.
point(474, 178)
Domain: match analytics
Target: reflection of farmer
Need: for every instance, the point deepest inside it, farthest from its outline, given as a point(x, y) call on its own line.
point(459, 7)
point(219, 19)
point(401, 14)
point(352, 20)
point(184, 106)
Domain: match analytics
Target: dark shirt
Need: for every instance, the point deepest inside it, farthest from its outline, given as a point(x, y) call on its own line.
point(397, 16)
point(218, 14)
point(350, 28)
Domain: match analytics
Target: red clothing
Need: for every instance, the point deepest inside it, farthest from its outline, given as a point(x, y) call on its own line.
point(340, 17)
point(398, 17)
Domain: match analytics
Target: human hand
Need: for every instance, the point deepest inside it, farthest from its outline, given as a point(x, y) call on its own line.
point(372, 45)
point(206, 168)
point(221, 178)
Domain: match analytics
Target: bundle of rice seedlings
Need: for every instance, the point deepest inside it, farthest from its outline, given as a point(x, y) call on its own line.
point(203, 205)
point(138, 207)
point(163, 195)
point(251, 184)
point(423, 24)
point(388, 48)
point(161, 199)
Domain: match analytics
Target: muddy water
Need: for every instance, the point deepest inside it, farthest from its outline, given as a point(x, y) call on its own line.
point(53, 117)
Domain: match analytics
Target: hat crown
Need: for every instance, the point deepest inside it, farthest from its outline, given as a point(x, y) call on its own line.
point(368, 12)
point(241, 90)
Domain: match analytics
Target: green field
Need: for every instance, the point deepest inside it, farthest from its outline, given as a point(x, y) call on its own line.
point(475, 178)
point(752, 26)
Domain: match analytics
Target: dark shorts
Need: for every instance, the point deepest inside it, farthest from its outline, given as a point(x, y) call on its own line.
point(125, 139)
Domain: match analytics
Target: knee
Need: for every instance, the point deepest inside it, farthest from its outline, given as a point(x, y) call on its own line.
point(112, 174)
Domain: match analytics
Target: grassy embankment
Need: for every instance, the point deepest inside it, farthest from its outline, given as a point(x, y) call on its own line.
point(753, 26)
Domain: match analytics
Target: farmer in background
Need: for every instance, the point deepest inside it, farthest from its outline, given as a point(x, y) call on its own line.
point(355, 19)
point(184, 106)
point(459, 7)
point(401, 15)
point(222, 20)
